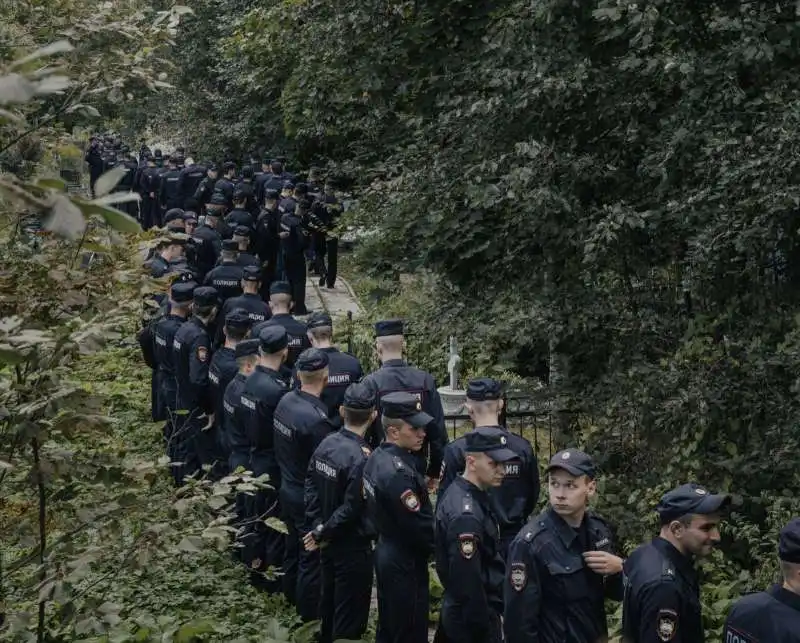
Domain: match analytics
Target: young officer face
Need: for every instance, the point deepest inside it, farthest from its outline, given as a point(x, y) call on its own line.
point(487, 472)
point(409, 437)
point(569, 494)
point(700, 536)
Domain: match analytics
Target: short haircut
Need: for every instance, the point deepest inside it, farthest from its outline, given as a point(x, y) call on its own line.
point(228, 254)
point(313, 377)
point(685, 520)
point(484, 406)
point(180, 305)
point(321, 333)
point(392, 343)
point(356, 417)
point(388, 423)
point(789, 569)
point(203, 311)
point(246, 360)
point(236, 333)
point(281, 298)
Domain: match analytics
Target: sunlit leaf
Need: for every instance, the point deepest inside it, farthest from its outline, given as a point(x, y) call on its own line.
point(53, 184)
point(58, 47)
point(16, 89)
point(277, 525)
point(108, 181)
point(52, 85)
point(65, 219)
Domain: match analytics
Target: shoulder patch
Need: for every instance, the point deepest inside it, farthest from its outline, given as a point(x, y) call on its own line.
point(467, 545)
point(410, 500)
point(202, 353)
point(518, 575)
point(466, 504)
point(667, 625)
point(398, 463)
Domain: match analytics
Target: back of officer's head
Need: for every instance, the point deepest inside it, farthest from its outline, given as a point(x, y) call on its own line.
point(277, 167)
point(389, 338)
point(239, 197)
point(246, 353)
point(789, 554)
point(247, 172)
point(358, 406)
point(484, 397)
point(205, 302)
point(280, 298)
point(312, 368)
point(320, 328)
point(237, 325)
point(229, 168)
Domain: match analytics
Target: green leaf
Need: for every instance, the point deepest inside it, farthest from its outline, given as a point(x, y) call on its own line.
point(53, 184)
point(66, 219)
point(58, 47)
point(189, 632)
point(108, 181)
point(277, 525)
point(9, 355)
point(113, 217)
point(16, 89)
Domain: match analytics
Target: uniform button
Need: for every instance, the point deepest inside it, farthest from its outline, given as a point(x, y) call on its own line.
point(567, 568)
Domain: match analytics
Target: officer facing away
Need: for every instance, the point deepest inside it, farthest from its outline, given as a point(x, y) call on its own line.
point(336, 514)
point(514, 500)
point(468, 559)
point(662, 593)
point(280, 302)
point(773, 615)
point(301, 423)
point(249, 301)
point(560, 566)
point(396, 374)
point(400, 509)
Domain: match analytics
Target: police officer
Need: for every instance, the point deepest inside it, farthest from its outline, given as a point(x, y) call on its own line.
point(400, 509)
point(189, 180)
point(561, 566)
point(468, 558)
point(773, 615)
point(662, 592)
point(264, 389)
point(191, 354)
point(208, 242)
point(301, 423)
point(223, 368)
point(94, 159)
point(225, 185)
point(241, 235)
point(343, 368)
point(514, 500)
point(249, 301)
point(226, 278)
point(397, 375)
point(336, 515)
point(294, 242)
point(128, 182)
point(148, 188)
point(168, 196)
point(240, 215)
point(280, 302)
point(260, 179)
point(170, 255)
point(205, 189)
point(267, 243)
point(180, 305)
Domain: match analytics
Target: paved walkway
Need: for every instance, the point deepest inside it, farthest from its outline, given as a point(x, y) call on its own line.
point(337, 301)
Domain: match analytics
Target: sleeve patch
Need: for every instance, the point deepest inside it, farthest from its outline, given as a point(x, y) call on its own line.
point(202, 353)
point(410, 500)
point(518, 576)
point(667, 625)
point(466, 545)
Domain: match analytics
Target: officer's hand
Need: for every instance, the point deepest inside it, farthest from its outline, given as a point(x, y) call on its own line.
point(309, 543)
point(602, 562)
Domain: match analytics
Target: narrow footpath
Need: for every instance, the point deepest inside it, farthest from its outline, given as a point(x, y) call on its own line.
point(337, 301)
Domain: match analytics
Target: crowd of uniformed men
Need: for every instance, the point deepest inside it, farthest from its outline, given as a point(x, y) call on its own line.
point(352, 460)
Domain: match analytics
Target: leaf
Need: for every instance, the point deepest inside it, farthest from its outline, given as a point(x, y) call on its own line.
point(4, 466)
point(108, 181)
point(306, 633)
point(11, 116)
point(66, 219)
point(57, 47)
point(118, 197)
point(52, 85)
point(9, 355)
point(16, 89)
point(88, 109)
point(189, 632)
point(276, 524)
point(53, 184)
point(187, 544)
point(182, 9)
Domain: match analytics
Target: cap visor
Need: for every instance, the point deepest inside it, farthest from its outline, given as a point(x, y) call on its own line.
point(575, 471)
point(502, 455)
point(419, 420)
point(713, 503)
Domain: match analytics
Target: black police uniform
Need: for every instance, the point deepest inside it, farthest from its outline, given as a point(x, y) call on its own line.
point(237, 217)
point(189, 181)
point(225, 187)
point(399, 507)
point(294, 262)
point(266, 245)
point(208, 245)
point(514, 500)
point(550, 594)
point(257, 310)
point(226, 278)
point(168, 196)
point(336, 513)
point(191, 356)
point(204, 191)
point(662, 590)
point(221, 371)
point(260, 397)
point(167, 386)
point(149, 188)
point(469, 566)
point(301, 423)
point(159, 267)
point(295, 329)
point(234, 428)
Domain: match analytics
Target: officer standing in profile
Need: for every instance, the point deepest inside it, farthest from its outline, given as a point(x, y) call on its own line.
point(240, 214)
point(191, 355)
point(226, 278)
point(400, 509)
point(468, 557)
point(662, 591)
point(335, 512)
point(280, 302)
point(205, 189)
point(773, 615)
point(250, 301)
point(395, 374)
point(261, 394)
point(169, 255)
point(225, 185)
point(515, 499)
point(561, 566)
point(301, 423)
point(343, 368)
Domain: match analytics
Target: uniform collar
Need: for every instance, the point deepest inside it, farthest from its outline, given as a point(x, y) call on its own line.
point(393, 449)
point(199, 322)
point(393, 362)
point(565, 532)
point(683, 563)
point(350, 435)
point(313, 399)
point(268, 371)
point(475, 492)
point(790, 599)
point(330, 349)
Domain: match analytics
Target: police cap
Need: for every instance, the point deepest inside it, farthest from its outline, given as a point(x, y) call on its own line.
point(186, 276)
point(178, 225)
point(173, 214)
point(238, 318)
point(310, 360)
point(273, 339)
point(272, 194)
point(491, 443)
point(241, 231)
point(319, 320)
point(182, 291)
point(205, 296)
point(789, 543)
point(301, 188)
point(213, 167)
point(690, 499)
point(218, 198)
point(189, 216)
point(288, 185)
point(389, 327)
point(227, 166)
point(484, 388)
point(230, 244)
point(239, 194)
point(247, 347)
point(358, 396)
point(407, 407)
point(251, 273)
point(280, 288)
point(573, 461)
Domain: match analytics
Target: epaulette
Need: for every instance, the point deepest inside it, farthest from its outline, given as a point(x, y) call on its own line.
point(533, 529)
point(466, 504)
point(398, 463)
point(667, 570)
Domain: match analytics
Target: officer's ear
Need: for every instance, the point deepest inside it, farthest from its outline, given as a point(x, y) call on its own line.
point(591, 487)
point(373, 416)
point(341, 412)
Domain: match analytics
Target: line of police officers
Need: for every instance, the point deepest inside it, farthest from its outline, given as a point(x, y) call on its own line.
point(352, 461)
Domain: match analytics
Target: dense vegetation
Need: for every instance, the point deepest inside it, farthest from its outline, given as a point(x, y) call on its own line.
point(599, 195)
